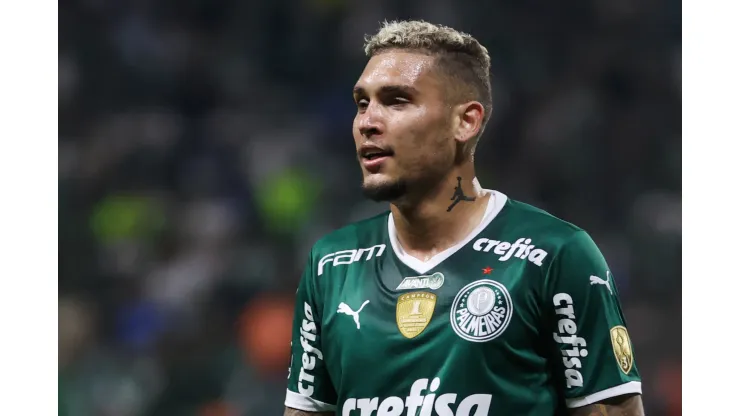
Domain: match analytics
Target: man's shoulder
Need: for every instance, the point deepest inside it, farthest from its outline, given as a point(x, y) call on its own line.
point(539, 218)
point(529, 233)
point(536, 223)
point(361, 234)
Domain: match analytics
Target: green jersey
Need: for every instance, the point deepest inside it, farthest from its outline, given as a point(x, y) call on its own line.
point(520, 318)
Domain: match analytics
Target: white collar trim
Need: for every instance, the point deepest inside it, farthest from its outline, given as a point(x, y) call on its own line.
point(495, 204)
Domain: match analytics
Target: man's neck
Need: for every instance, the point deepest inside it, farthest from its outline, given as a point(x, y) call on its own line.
point(442, 218)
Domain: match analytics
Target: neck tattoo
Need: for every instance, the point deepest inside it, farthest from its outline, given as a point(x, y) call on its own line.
point(458, 195)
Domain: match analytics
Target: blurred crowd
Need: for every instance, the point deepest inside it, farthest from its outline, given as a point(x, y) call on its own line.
point(205, 145)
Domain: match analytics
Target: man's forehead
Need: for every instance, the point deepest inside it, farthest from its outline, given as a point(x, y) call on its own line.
point(396, 67)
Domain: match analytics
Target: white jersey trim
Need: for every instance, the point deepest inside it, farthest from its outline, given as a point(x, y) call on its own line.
point(626, 388)
point(496, 203)
point(307, 404)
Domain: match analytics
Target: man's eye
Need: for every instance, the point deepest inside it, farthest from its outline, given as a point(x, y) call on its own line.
point(362, 103)
point(401, 100)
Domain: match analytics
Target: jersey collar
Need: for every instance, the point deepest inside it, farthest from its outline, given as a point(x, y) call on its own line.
point(495, 204)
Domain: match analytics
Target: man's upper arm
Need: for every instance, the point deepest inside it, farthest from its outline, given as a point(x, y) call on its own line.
point(627, 405)
point(309, 387)
point(295, 412)
point(589, 342)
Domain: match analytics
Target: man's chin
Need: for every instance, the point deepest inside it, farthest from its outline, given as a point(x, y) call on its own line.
point(385, 191)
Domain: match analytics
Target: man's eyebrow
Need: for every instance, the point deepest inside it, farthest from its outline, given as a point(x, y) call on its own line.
point(386, 89)
point(404, 89)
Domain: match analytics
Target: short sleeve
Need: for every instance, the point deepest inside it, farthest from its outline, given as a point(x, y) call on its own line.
point(590, 346)
point(309, 387)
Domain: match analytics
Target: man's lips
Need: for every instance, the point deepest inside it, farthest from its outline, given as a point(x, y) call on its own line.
point(372, 157)
point(374, 164)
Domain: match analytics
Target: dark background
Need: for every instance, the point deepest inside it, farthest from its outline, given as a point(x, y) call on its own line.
point(206, 144)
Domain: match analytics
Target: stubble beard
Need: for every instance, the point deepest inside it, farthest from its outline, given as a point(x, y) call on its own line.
point(389, 191)
point(420, 176)
point(405, 191)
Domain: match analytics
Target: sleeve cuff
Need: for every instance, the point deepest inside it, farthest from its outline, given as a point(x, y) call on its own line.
point(626, 388)
point(301, 402)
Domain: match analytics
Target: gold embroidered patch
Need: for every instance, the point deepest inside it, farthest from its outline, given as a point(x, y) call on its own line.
point(414, 311)
point(622, 348)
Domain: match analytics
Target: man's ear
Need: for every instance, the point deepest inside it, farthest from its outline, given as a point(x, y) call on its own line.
point(468, 121)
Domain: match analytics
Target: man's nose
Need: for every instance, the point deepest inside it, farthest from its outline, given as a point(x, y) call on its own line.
point(371, 122)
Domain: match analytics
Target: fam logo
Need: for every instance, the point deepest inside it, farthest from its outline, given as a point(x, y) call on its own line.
point(481, 311)
point(350, 256)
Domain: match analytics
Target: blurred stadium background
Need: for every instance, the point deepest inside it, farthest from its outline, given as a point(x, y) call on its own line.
point(204, 145)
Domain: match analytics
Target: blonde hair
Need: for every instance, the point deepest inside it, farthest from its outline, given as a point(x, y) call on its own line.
point(459, 55)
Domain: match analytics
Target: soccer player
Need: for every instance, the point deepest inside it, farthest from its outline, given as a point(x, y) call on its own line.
point(459, 301)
